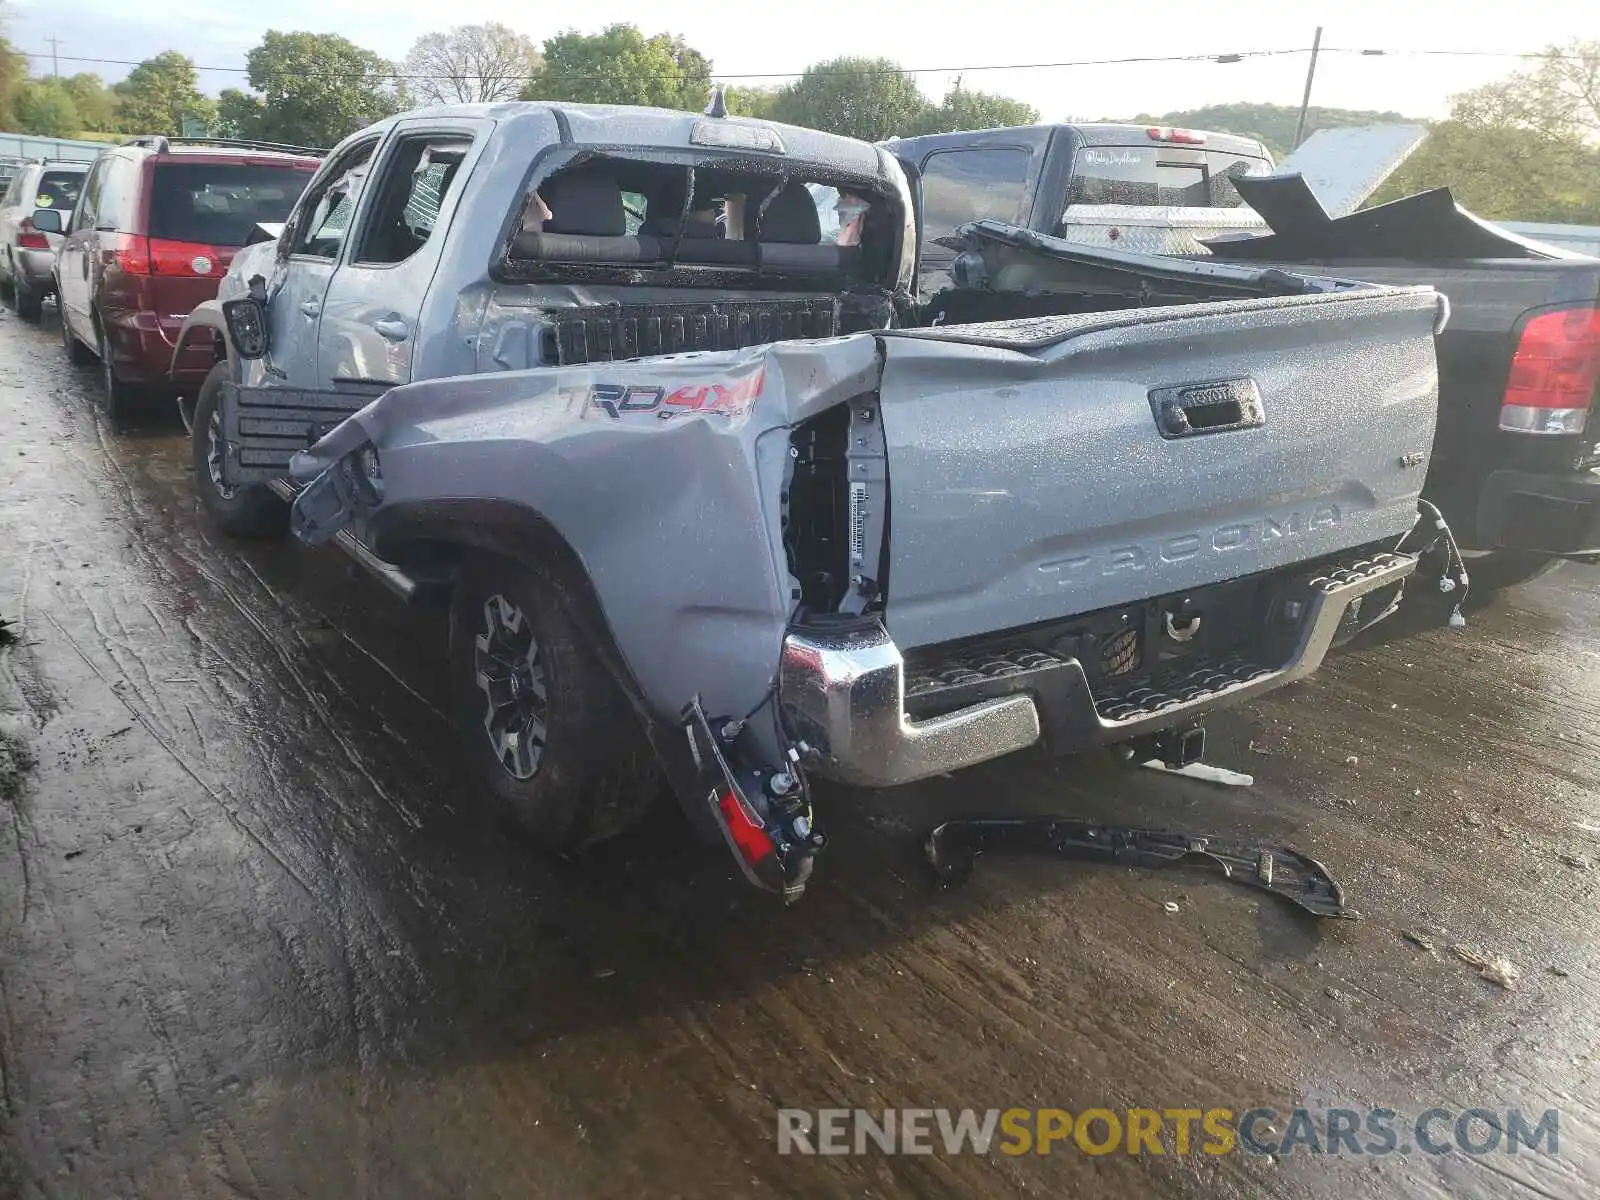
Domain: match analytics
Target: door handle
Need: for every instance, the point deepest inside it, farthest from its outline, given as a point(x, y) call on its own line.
point(311, 308)
point(391, 329)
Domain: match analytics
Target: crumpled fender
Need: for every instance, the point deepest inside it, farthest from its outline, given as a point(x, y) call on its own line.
point(663, 475)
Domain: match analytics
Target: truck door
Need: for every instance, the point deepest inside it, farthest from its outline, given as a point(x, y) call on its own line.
point(288, 404)
point(370, 316)
point(307, 256)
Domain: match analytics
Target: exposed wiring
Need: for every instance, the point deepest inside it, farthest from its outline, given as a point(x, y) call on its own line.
point(1454, 574)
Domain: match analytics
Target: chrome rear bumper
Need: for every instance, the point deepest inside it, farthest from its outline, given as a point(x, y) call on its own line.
point(843, 691)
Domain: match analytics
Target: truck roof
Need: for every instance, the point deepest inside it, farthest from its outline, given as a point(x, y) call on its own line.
point(619, 125)
point(1091, 134)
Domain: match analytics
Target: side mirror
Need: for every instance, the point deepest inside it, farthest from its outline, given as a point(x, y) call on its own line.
point(48, 220)
point(247, 326)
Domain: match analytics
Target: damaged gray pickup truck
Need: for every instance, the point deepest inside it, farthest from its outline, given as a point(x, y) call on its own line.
point(649, 400)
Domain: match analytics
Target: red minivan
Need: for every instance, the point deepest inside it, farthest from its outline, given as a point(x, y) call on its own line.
point(156, 225)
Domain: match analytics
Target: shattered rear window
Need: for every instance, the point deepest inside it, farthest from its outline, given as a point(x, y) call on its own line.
point(712, 219)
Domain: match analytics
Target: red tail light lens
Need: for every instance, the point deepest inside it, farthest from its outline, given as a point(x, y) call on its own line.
point(29, 238)
point(751, 840)
point(154, 256)
point(131, 254)
point(189, 259)
point(1553, 374)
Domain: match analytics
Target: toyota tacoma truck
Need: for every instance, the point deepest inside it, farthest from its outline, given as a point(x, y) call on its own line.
point(714, 497)
point(1516, 458)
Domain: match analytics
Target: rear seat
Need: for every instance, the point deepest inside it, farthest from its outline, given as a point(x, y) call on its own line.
point(588, 226)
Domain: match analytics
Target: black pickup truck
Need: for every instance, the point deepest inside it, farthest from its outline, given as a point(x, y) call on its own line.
point(1516, 453)
point(1516, 456)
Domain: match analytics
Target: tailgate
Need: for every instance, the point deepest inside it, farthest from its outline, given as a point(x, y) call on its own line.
point(1029, 479)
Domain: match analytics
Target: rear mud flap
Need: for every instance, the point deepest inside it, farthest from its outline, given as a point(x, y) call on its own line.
point(774, 849)
point(263, 428)
point(1285, 873)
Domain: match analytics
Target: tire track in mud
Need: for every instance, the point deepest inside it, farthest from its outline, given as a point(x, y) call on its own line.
point(122, 662)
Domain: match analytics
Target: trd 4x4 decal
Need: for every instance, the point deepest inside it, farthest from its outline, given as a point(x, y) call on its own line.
point(617, 400)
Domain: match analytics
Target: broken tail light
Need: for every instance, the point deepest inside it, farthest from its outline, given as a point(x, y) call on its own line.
point(750, 839)
point(29, 237)
point(1553, 374)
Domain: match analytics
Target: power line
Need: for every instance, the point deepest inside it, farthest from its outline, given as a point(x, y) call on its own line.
point(1088, 62)
point(1225, 57)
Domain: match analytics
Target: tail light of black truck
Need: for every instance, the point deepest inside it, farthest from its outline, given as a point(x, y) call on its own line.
point(1551, 390)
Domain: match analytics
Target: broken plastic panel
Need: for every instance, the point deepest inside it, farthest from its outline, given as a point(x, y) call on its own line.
point(1284, 872)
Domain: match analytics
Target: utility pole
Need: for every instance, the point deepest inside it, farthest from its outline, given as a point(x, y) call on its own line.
point(1305, 101)
point(55, 61)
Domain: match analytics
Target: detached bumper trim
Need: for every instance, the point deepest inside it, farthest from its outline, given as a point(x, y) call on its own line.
point(843, 692)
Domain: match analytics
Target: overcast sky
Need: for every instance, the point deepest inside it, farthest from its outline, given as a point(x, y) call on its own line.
point(742, 38)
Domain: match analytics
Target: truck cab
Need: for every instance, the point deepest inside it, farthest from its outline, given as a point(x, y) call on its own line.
point(1096, 183)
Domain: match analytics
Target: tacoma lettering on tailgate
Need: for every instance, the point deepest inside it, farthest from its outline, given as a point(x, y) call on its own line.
point(1235, 535)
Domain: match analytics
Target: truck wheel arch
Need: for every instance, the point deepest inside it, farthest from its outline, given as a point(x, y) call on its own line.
point(206, 320)
point(434, 534)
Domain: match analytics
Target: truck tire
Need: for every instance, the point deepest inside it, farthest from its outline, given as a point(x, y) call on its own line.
point(546, 729)
point(29, 304)
point(253, 511)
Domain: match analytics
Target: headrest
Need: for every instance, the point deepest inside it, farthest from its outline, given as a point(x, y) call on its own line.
point(586, 202)
point(791, 217)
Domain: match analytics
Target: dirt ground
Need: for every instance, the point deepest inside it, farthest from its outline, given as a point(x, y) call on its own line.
point(259, 939)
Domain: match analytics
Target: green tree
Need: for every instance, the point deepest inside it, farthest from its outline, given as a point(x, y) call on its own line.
point(962, 109)
point(95, 102)
point(44, 107)
point(751, 101)
point(619, 65)
point(13, 74)
point(868, 98)
point(239, 114)
point(1524, 148)
point(315, 88)
point(159, 93)
point(471, 64)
